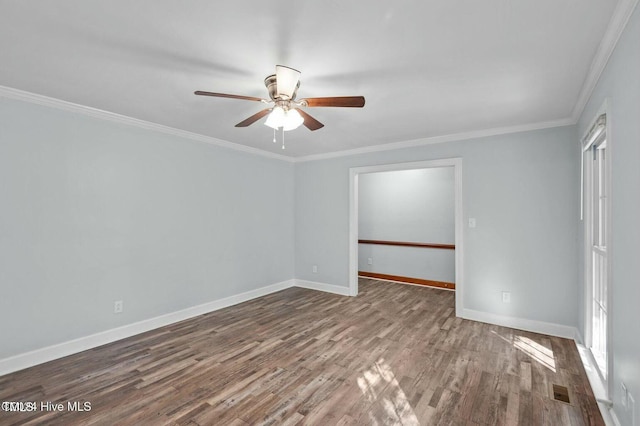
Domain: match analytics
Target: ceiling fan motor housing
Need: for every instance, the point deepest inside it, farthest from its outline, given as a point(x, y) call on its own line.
point(272, 86)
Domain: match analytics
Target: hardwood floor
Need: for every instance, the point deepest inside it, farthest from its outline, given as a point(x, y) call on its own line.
point(395, 354)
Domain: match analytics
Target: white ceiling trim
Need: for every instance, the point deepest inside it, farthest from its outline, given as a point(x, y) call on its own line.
point(21, 95)
point(617, 24)
point(475, 134)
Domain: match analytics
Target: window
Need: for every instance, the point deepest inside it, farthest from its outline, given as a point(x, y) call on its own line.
point(596, 225)
point(599, 256)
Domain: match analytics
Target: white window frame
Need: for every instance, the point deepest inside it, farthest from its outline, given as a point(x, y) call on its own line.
point(592, 136)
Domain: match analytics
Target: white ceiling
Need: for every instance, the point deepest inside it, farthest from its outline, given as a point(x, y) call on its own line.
point(426, 68)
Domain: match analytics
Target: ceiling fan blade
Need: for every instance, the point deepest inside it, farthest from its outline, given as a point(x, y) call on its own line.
point(255, 117)
point(336, 101)
point(225, 95)
point(287, 81)
point(310, 122)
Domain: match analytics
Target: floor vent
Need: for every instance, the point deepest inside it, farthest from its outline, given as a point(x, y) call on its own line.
point(561, 393)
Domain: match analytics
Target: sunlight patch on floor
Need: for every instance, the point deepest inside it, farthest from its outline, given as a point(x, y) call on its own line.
point(380, 386)
point(536, 351)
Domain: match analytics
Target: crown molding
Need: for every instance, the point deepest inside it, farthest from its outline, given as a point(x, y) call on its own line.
point(21, 95)
point(474, 134)
point(618, 22)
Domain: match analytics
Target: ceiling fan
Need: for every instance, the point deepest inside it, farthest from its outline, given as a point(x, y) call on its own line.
point(285, 111)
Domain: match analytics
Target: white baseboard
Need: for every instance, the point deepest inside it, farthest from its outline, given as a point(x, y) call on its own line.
point(329, 288)
point(542, 327)
point(39, 356)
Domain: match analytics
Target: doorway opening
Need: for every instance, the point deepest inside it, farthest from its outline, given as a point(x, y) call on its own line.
point(354, 178)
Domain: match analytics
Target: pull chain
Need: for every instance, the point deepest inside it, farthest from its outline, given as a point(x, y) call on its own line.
point(274, 136)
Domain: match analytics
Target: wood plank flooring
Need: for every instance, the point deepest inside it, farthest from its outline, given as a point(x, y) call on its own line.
point(395, 354)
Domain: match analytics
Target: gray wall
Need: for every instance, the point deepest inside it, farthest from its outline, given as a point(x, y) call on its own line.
point(521, 188)
point(92, 212)
point(413, 206)
point(620, 83)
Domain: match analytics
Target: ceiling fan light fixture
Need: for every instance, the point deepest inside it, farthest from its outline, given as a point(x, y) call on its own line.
point(292, 120)
point(287, 120)
point(276, 118)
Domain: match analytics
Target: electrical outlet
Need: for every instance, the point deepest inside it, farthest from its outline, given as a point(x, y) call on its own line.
point(118, 306)
point(369, 261)
point(315, 269)
point(506, 297)
point(472, 222)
